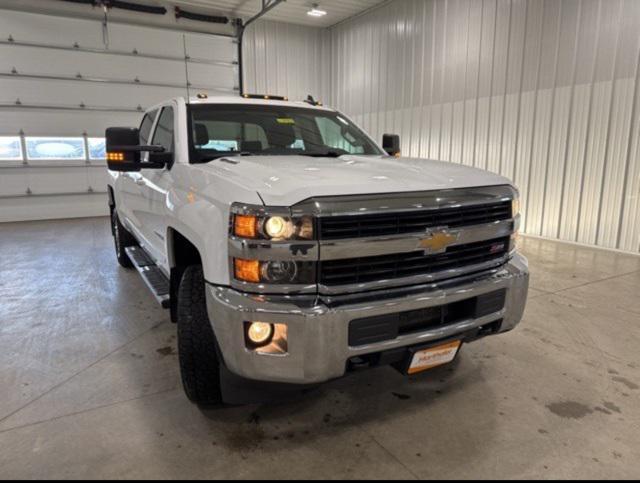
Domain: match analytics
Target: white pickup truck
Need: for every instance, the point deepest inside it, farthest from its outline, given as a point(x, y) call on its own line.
point(292, 249)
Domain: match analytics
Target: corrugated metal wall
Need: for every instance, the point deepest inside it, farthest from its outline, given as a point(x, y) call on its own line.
point(286, 59)
point(542, 91)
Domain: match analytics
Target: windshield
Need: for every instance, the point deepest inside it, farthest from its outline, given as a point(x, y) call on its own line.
point(220, 130)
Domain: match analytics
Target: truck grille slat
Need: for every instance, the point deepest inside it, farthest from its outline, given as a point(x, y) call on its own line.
point(368, 269)
point(342, 227)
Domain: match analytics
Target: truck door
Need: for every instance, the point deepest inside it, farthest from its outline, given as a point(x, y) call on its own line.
point(154, 188)
point(131, 202)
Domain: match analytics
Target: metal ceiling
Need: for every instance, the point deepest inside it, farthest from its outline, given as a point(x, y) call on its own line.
point(291, 11)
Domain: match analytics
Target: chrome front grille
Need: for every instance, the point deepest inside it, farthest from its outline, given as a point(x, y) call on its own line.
point(383, 224)
point(363, 270)
point(373, 242)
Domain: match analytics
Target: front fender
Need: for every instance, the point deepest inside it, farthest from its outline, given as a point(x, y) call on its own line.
point(205, 223)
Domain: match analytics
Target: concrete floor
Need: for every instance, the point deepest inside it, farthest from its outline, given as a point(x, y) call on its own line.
point(89, 383)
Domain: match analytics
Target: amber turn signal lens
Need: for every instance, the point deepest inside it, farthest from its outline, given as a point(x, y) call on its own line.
point(247, 270)
point(245, 226)
point(115, 156)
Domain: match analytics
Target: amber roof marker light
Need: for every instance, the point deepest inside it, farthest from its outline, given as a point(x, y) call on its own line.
point(265, 97)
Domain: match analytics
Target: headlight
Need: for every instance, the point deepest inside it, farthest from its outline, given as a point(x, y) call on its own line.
point(515, 207)
point(277, 227)
point(515, 211)
point(274, 272)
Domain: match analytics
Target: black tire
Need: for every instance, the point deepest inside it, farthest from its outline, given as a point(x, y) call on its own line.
point(122, 239)
point(197, 351)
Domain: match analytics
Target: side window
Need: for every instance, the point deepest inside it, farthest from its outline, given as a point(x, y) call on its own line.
point(145, 127)
point(163, 136)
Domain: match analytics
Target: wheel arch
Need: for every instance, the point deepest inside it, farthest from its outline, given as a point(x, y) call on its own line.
point(181, 253)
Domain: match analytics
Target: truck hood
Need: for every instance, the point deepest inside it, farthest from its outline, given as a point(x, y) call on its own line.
point(287, 180)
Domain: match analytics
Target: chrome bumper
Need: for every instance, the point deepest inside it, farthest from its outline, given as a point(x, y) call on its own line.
point(318, 333)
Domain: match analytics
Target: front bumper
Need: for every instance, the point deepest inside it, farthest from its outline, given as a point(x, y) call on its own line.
point(318, 330)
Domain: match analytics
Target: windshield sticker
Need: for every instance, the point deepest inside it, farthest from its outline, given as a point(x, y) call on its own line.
point(285, 120)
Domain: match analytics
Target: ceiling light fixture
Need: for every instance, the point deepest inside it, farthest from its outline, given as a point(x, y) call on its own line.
point(316, 11)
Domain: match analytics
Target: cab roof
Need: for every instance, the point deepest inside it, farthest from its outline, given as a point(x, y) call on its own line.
point(250, 102)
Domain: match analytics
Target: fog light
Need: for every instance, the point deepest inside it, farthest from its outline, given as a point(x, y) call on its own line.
point(259, 333)
point(266, 339)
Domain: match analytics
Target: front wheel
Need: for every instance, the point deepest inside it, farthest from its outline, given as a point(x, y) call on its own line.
point(199, 364)
point(122, 239)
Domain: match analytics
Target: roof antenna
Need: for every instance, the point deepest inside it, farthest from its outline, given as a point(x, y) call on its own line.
point(186, 67)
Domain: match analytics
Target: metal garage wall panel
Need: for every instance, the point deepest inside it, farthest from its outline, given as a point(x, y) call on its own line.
point(557, 148)
point(285, 59)
point(574, 166)
point(543, 91)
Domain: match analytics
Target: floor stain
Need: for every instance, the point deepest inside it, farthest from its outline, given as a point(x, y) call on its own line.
point(246, 438)
point(569, 409)
point(623, 380)
point(402, 397)
point(612, 407)
point(602, 410)
point(166, 351)
point(254, 418)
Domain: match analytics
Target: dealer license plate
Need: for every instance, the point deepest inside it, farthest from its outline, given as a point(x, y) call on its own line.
point(434, 356)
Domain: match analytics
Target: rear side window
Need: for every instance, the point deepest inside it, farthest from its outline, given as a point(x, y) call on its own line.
point(145, 127)
point(164, 130)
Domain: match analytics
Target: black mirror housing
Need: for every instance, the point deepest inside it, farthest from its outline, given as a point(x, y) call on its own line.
point(123, 151)
point(391, 144)
point(120, 156)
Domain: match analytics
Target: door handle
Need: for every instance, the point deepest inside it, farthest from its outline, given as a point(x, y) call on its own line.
point(140, 181)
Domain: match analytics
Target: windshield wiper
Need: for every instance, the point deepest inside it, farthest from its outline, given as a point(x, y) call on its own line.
point(327, 154)
point(206, 159)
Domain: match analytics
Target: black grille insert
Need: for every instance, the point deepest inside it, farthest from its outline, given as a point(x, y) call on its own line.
point(400, 265)
point(359, 226)
point(371, 330)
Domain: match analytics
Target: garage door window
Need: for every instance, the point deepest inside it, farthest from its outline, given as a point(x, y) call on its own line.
point(43, 148)
point(10, 149)
point(97, 148)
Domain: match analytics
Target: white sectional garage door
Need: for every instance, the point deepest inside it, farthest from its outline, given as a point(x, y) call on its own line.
point(63, 81)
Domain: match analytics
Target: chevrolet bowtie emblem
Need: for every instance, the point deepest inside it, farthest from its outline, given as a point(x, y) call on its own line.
point(438, 240)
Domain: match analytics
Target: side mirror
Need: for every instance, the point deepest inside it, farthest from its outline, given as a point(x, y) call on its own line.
point(123, 151)
point(391, 144)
